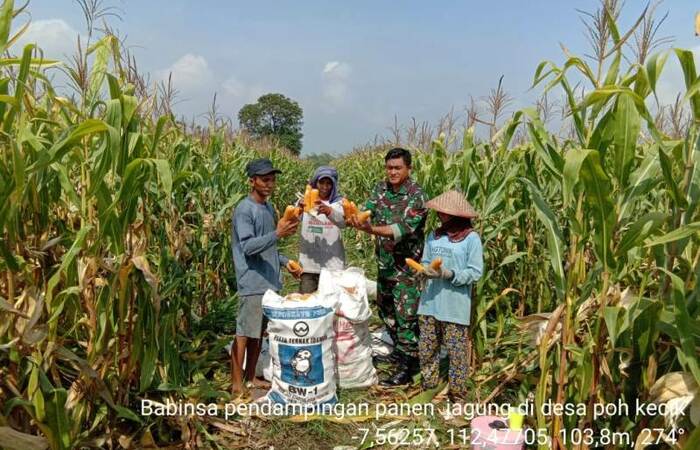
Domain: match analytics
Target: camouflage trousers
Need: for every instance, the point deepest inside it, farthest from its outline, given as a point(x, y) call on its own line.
point(397, 302)
point(433, 334)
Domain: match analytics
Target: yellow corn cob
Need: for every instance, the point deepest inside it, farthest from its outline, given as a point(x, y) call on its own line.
point(307, 192)
point(310, 197)
point(414, 265)
point(291, 213)
point(349, 208)
point(363, 216)
point(346, 207)
point(313, 196)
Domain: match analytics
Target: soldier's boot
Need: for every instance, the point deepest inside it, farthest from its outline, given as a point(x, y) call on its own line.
point(408, 367)
point(392, 358)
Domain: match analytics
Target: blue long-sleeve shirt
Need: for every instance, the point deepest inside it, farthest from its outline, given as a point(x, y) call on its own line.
point(254, 244)
point(450, 300)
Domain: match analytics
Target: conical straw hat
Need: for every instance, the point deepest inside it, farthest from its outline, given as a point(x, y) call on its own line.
point(453, 203)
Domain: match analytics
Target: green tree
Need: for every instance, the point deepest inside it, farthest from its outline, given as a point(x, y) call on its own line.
point(277, 116)
point(320, 159)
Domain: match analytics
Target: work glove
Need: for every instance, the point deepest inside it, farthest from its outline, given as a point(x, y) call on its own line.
point(441, 273)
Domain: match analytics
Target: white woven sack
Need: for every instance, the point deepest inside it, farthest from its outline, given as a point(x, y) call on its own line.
point(350, 286)
point(300, 333)
point(353, 345)
point(353, 349)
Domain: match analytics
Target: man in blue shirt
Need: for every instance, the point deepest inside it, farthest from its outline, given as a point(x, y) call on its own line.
point(257, 262)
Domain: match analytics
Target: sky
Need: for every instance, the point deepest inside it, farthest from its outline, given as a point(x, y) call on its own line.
point(352, 65)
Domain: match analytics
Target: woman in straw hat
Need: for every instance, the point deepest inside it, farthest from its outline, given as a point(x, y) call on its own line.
point(445, 303)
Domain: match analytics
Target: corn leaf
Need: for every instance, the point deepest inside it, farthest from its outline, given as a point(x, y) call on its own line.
point(553, 233)
point(669, 179)
point(644, 227)
point(654, 67)
point(65, 262)
point(5, 23)
point(58, 421)
point(687, 355)
point(682, 232)
point(626, 127)
point(687, 60)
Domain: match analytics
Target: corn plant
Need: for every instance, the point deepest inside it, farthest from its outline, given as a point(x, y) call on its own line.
point(116, 243)
point(591, 243)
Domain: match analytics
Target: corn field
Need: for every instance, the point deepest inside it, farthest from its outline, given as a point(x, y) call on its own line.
point(115, 247)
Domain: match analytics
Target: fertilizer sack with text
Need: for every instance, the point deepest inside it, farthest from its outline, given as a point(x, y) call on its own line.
point(300, 333)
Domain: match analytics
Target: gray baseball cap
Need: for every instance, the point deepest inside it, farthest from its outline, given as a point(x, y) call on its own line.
point(261, 166)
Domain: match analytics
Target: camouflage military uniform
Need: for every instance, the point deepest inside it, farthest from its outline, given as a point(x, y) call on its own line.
point(397, 290)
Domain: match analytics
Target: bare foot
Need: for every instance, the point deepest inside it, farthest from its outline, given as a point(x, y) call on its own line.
point(240, 396)
point(261, 383)
point(237, 390)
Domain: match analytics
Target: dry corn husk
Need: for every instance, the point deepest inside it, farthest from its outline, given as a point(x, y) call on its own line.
point(625, 360)
point(627, 298)
point(12, 439)
point(678, 390)
point(535, 326)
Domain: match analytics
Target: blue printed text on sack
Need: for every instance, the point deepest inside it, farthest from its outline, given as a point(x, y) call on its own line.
point(296, 313)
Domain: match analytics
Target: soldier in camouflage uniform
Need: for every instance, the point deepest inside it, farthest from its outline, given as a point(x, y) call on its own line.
point(398, 221)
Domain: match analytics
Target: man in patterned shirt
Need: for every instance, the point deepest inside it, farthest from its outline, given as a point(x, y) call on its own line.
point(398, 221)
